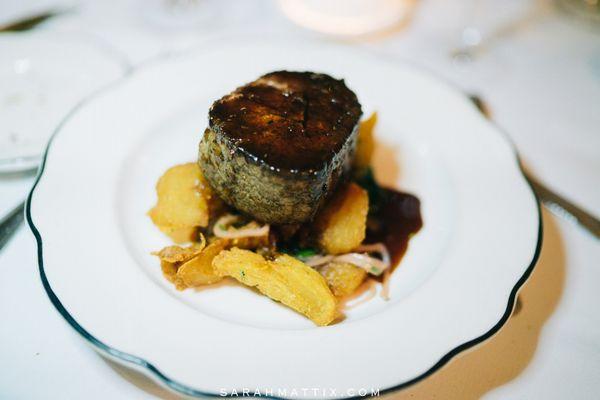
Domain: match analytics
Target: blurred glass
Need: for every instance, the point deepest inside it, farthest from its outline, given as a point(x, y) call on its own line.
point(484, 22)
point(179, 14)
point(585, 9)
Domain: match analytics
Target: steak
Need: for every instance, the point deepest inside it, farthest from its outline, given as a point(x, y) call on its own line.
point(276, 148)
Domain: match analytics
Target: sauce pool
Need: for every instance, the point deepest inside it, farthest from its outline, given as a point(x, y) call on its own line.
point(393, 221)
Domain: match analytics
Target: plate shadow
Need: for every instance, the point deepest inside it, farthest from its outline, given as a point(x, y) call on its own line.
point(503, 357)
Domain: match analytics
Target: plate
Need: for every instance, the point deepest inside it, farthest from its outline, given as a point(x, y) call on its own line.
point(43, 76)
point(454, 288)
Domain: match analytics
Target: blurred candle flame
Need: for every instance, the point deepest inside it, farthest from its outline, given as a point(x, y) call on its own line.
point(347, 17)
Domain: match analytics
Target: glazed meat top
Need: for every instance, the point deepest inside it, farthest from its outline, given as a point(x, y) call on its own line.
point(293, 121)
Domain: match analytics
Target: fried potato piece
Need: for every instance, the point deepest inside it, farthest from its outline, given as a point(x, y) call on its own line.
point(180, 235)
point(199, 270)
point(175, 254)
point(172, 257)
point(365, 144)
point(180, 203)
point(250, 243)
point(341, 225)
point(284, 279)
point(343, 278)
point(169, 271)
point(185, 202)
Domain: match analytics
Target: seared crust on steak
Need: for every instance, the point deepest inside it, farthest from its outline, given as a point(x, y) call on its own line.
point(276, 148)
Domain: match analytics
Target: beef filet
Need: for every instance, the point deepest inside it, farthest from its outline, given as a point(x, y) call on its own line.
point(276, 148)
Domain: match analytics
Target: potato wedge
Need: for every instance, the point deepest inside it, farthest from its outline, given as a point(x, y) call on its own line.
point(365, 145)
point(343, 278)
point(341, 226)
point(199, 270)
point(285, 279)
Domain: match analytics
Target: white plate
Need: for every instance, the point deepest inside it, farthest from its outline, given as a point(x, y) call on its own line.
point(43, 76)
point(454, 288)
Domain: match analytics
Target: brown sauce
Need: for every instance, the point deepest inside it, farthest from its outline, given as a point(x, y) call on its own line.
point(396, 217)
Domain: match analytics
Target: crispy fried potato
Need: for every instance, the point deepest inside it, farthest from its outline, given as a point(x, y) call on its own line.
point(185, 203)
point(199, 270)
point(343, 278)
point(180, 201)
point(175, 254)
point(284, 279)
point(365, 144)
point(169, 271)
point(341, 225)
point(172, 257)
point(250, 243)
point(180, 235)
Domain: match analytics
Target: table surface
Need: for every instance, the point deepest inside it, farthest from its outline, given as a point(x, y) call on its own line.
point(541, 79)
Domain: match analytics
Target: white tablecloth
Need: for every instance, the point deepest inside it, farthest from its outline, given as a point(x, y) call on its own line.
point(542, 82)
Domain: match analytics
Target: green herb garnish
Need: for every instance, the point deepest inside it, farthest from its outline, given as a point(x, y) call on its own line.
point(305, 253)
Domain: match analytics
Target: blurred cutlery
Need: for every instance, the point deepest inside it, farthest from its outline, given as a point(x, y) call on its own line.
point(28, 22)
point(10, 223)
